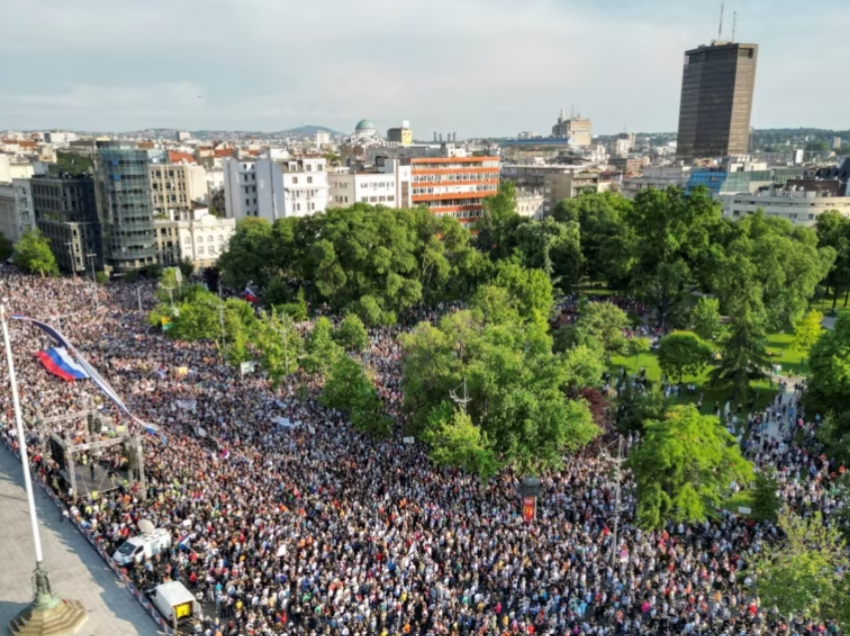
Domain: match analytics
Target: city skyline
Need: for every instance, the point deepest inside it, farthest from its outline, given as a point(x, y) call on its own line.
point(480, 67)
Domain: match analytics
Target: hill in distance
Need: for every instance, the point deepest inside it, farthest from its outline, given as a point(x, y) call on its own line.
point(310, 130)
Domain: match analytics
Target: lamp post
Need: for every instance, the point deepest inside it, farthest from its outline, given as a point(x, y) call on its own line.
point(91, 256)
point(47, 614)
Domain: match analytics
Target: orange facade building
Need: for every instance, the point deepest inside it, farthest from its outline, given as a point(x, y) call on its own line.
point(454, 185)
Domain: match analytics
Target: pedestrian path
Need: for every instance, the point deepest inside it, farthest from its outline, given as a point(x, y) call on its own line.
point(772, 431)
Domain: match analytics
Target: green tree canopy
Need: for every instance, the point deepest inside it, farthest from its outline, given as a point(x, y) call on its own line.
point(706, 318)
point(349, 389)
point(352, 335)
point(514, 385)
point(744, 358)
point(684, 468)
point(280, 345)
point(828, 383)
point(833, 231)
point(498, 223)
point(33, 255)
point(806, 572)
point(322, 351)
point(249, 256)
point(554, 247)
point(683, 353)
point(807, 331)
point(604, 322)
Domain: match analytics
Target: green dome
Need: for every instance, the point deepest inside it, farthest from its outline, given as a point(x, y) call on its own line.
point(364, 124)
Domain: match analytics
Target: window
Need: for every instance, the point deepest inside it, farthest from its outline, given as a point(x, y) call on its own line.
point(200, 250)
point(294, 180)
point(247, 202)
point(309, 179)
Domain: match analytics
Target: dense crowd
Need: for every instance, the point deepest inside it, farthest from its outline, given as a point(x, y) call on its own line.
point(311, 528)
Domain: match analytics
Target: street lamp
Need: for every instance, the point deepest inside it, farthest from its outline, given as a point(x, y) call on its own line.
point(91, 256)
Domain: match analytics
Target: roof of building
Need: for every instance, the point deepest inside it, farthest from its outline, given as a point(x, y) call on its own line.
point(175, 156)
point(364, 124)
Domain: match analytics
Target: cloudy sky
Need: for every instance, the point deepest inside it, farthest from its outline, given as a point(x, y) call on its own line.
point(477, 67)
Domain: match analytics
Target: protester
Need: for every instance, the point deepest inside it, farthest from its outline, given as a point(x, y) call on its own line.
point(287, 521)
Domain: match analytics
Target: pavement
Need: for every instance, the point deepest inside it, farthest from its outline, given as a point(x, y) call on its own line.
point(772, 430)
point(76, 570)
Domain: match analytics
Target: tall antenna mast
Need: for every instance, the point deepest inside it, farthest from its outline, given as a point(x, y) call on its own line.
point(720, 28)
point(734, 24)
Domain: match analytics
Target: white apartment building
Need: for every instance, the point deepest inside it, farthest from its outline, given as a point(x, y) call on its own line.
point(389, 186)
point(175, 188)
point(201, 240)
point(323, 138)
point(531, 204)
point(799, 207)
point(274, 189)
point(658, 178)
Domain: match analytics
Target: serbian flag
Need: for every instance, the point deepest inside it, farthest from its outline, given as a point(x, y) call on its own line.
point(80, 361)
point(59, 362)
point(250, 296)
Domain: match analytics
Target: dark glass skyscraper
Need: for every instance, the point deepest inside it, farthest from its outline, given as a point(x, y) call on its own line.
point(717, 100)
point(124, 204)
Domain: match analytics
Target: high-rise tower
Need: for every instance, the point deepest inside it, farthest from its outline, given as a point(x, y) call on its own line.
point(717, 100)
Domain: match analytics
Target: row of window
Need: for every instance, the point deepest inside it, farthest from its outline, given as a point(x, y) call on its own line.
point(378, 199)
point(485, 187)
point(456, 176)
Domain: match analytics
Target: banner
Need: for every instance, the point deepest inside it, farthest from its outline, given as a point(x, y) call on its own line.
point(529, 508)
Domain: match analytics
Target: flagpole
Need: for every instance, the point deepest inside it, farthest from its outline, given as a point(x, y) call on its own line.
point(22, 442)
point(47, 614)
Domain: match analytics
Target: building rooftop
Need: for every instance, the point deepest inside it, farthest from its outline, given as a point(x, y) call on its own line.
point(365, 124)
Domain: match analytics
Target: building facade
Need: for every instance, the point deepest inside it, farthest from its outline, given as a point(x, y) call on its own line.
point(125, 204)
point(274, 189)
point(402, 135)
point(530, 204)
point(374, 188)
point(175, 188)
point(200, 240)
point(576, 130)
point(455, 186)
point(799, 207)
point(65, 210)
point(718, 82)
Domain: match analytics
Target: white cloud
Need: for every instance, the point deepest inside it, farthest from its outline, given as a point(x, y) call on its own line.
point(472, 66)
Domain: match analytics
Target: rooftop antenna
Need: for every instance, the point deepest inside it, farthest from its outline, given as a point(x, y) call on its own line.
point(734, 24)
point(720, 28)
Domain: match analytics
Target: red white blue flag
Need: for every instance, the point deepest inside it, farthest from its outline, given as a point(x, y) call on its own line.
point(83, 364)
point(250, 296)
point(59, 362)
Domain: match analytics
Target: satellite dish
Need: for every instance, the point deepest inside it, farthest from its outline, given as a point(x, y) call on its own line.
point(146, 527)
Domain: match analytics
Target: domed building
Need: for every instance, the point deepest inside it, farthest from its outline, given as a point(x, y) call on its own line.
point(365, 134)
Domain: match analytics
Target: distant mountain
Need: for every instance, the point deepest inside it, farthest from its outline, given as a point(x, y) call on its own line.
point(309, 130)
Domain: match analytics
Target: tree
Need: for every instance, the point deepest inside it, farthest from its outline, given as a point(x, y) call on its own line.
point(636, 347)
point(322, 351)
point(673, 245)
point(280, 346)
point(352, 335)
point(635, 406)
point(6, 248)
point(297, 309)
point(514, 385)
point(828, 382)
point(532, 289)
point(807, 331)
point(744, 358)
point(706, 318)
point(349, 389)
point(833, 231)
point(456, 441)
point(250, 255)
point(683, 353)
point(187, 268)
point(34, 256)
point(552, 247)
point(684, 468)
point(806, 573)
point(497, 226)
point(766, 500)
point(605, 322)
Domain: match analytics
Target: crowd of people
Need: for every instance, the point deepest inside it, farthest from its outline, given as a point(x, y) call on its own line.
point(312, 528)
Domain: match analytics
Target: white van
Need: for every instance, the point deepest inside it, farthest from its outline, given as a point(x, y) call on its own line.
point(144, 545)
point(175, 602)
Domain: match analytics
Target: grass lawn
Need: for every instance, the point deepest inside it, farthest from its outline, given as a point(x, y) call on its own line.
point(824, 305)
point(778, 346)
point(744, 499)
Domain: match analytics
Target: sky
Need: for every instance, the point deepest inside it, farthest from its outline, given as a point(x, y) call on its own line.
point(475, 67)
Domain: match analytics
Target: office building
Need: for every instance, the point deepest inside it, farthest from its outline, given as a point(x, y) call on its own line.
point(387, 186)
point(125, 204)
point(65, 210)
point(274, 189)
point(455, 186)
point(175, 187)
point(793, 203)
point(403, 135)
point(576, 130)
point(717, 100)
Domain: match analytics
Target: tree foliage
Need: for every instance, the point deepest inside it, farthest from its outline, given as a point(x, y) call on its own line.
point(349, 390)
point(833, 231)
point(705, 318)
point(766, 500)
point(684, 468)
point(807, 331)
point(280, 346)
point(828, 383)
point(806, 573)
point(33, 255)
point(514, 385)
point(604, 322)
point(322, 350)
point(744, 358)
point(352, 335)
point(683, 353)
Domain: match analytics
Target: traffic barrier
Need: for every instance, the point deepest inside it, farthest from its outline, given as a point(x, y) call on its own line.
point(132, 589)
